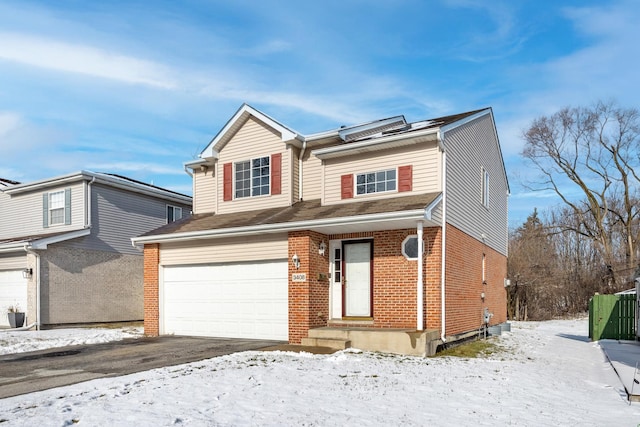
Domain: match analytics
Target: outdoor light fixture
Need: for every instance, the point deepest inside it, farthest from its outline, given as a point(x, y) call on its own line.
point(296, 260)
point(27, 273)
point(322, 248)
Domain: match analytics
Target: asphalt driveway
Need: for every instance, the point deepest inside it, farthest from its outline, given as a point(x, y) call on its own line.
point(40, 370)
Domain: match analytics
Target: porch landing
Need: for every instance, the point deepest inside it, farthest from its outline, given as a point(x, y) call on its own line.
point(399, 341)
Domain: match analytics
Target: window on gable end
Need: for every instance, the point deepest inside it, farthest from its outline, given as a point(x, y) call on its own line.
point(252, 177)
point(485, 188)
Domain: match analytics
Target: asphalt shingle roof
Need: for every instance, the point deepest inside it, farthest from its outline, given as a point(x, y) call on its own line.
point(307, 210)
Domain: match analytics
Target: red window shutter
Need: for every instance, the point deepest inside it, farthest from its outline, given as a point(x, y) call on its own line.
point(405, 178)
point(347, 186)
point(276, 173)
point(227, 179)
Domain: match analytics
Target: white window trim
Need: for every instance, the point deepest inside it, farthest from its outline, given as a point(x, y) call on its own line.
point(250, 161)
point(355, 183)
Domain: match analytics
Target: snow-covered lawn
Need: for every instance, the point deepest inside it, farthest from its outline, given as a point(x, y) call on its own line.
point(547, 375)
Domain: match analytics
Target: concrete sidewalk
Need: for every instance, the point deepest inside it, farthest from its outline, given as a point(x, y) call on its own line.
point(624, 356)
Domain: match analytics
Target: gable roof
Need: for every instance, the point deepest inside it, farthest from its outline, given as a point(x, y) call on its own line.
point(111, 180)
point(236, 122)
point(307, 215)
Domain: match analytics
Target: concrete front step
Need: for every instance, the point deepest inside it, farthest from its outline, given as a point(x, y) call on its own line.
point(335, 343)
point(399, 341)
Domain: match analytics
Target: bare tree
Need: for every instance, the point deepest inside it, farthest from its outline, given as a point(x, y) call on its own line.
point(590, 157)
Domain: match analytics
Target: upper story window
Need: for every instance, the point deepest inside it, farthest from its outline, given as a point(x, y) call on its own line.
point(485, 188)
point(174, 213)
point(376, 182)
point(56, 208)
point(252, 177)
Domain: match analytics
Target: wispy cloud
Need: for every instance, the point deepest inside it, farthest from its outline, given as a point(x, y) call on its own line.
point(148, 168)
point(82, 59)
point(8, 122)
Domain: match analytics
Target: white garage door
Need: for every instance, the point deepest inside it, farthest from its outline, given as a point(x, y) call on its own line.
point(13, 290)
point(243, 300)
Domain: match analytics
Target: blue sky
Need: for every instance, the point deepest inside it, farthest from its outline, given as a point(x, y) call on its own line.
point(140, 87)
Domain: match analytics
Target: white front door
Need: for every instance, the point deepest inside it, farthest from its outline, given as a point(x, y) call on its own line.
point(357, 279)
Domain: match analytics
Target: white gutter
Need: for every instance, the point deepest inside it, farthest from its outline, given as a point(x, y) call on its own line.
point(28, 250)
point(420, 287)
point(279, 227)
point(300, 168)
point(443, 317)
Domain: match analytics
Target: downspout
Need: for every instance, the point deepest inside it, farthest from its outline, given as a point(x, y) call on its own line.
point(420, 289)
point(34, 253)
point(186, 169)
point(300, 180)
point(88, 219)
point(443, 318)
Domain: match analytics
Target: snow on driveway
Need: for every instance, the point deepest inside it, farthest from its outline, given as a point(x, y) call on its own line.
point(549, 374)
point(22, 341)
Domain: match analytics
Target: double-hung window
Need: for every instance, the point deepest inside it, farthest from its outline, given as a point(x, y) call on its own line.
point(56, 207)
point(376, 182)
point(252, 177)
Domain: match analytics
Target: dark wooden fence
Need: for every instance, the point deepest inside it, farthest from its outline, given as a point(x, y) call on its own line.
point(612, 317)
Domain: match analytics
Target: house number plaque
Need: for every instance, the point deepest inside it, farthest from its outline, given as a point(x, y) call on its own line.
point(299, 277)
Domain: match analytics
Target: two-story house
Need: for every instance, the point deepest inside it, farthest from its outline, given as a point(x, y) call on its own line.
point(65, 246)
point(386, 235)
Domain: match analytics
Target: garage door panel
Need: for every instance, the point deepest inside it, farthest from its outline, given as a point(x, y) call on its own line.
point(227, 300)
point(13, 290)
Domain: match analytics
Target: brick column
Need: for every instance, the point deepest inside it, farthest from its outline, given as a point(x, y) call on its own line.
point(308, 300)
point(151, 289)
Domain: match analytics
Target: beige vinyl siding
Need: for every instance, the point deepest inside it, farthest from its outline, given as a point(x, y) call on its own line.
point(236, 249)
point(423, 157)
point(22, 214)
point(13, 262)
point(294, 155)
point(470, 148)
point(254, 139)
point(204, 191)
point(312, 177)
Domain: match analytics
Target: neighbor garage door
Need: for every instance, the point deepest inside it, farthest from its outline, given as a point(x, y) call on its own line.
point(13, 290)
point(242, 300)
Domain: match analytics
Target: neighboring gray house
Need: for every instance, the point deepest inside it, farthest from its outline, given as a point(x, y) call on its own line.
point(65, 246)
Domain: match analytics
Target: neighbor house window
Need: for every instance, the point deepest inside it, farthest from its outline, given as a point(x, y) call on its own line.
point(376, 182)
point(56, 208)
point(174, 213)
point(252, 177)
point(485, 187)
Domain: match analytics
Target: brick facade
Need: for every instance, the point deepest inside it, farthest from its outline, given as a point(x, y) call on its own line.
point(394, 282)
point(151, 289)
point(464, 284)
point(106, 289)
point(308, 300)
